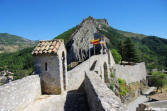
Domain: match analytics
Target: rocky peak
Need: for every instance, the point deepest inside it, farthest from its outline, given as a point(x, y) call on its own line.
point(78, 46)
point(97, 22)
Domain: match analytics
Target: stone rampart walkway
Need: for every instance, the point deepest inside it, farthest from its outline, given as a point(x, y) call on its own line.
point(65, 102)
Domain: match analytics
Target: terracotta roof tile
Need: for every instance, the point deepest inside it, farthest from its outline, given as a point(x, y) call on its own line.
point(47, 47)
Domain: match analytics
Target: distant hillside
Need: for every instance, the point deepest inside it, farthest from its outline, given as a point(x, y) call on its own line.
point(152, 50)
point(12, 43)
point(130, 34)
point(19, 62)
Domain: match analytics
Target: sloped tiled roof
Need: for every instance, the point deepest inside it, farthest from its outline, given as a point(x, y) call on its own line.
point(47, 47)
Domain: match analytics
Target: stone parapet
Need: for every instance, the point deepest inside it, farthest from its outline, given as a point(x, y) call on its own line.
point(130, 73)
point(16, 95)
point(100, 97)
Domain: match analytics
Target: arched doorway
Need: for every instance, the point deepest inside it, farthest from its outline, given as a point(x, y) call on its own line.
point(63, 68)
point(105, 73)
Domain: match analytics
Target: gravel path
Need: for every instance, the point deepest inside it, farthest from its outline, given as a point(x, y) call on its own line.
point(142, 98)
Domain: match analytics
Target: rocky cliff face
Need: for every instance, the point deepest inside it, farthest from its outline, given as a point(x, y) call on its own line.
point(78, 46)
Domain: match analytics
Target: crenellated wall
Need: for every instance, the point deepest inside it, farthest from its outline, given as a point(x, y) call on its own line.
point(16, 95)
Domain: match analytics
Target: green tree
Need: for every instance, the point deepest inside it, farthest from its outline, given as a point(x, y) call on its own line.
point(159, 79)
point(121, 49)
point(116, 55)
point(130, 52)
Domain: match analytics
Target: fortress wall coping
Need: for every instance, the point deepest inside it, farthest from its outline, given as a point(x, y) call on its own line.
point(100, 97)
point(131, 73)
point(76, 76)
point(16, 95)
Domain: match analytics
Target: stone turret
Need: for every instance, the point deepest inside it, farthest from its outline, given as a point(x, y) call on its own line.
point(50, 64)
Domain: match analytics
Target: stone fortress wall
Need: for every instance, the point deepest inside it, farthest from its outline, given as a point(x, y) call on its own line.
point(130, 73)
point(76, 76)
point(99, 96)
point(16, 95)
point(94, 83)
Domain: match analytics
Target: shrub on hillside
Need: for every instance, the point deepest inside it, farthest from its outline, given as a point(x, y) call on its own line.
point(159, 79)
point(116, 55)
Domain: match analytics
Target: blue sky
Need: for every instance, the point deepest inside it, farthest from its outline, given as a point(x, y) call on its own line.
point(45, 19)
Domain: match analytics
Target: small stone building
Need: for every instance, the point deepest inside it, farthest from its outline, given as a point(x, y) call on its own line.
point(50, 63)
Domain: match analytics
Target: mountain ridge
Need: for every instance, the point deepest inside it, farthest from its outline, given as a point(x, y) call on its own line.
point(151, 48)
point(13, 43)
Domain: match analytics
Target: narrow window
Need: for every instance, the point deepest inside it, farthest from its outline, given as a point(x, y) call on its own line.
point(46, 66)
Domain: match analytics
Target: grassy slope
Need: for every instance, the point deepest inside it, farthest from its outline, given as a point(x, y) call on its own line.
point(66, 35)
point(130, 34)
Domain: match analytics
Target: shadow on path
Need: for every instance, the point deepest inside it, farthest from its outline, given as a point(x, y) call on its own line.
point(76, 101)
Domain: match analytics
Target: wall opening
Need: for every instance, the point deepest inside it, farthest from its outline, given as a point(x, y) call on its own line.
point(100, 72)
point(46, 66)
point(108, 53)
point(63, 68)
point(93, 65)
point(105, 73)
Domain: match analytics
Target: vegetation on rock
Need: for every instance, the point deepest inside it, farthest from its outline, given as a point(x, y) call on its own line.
point(112, 82)
point(123, 90)
point(112, 75)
